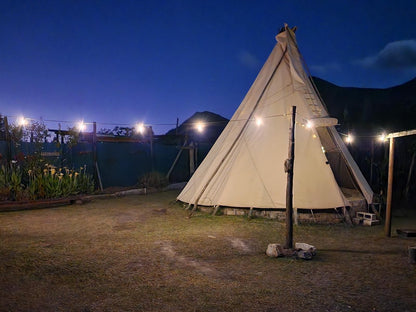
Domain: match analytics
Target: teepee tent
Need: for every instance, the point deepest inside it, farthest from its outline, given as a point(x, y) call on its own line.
point(245, 167)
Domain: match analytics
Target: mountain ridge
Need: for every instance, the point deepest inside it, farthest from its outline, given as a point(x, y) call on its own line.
point(370, 110)
point(365, 110)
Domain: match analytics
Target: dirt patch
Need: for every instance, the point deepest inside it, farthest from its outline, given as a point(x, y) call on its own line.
point(126, 226)
point(239, 244)
point(199, 266)
point(162, 211)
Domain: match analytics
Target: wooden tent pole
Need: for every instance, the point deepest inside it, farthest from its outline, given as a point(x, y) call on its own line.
point(387, 225)
point(289, 186)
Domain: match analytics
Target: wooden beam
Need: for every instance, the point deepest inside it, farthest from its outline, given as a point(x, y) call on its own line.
point(401, 134)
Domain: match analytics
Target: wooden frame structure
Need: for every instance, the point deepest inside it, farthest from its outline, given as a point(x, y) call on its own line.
point(391, 137)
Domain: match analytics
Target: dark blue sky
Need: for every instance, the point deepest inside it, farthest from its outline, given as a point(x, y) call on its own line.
point(120, 62)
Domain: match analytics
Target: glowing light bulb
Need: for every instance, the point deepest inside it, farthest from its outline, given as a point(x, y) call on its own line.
point(200, 126)
point(309, 124)
point(140, 128)
point(21, 121)
point(81, 126)
point(349, 139)
point(259, 121)
point(382, 137)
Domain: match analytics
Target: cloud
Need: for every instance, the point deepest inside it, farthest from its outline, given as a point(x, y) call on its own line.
point(399, 55)
point(324, 68)
point(249, 60)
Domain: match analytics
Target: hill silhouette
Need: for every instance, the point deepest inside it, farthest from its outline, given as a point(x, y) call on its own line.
point(213, 124)
point(369, 110)
point(363, 110)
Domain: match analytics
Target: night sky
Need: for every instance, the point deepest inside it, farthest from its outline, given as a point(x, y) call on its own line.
point(121, 62)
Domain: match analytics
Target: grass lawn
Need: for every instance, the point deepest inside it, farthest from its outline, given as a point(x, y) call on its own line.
point(141, 253)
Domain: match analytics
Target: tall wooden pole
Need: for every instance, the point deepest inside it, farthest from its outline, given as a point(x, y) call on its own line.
point(371, 162)
point(94, 142)
point(8, 140)
point(94, 156)
point(151, 148)
point(387, 225)
point(289, 186)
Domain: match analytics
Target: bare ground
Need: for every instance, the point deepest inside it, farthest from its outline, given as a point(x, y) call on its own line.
point(141, 253)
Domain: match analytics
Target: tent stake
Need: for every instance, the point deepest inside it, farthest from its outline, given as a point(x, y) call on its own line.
point(289, 186)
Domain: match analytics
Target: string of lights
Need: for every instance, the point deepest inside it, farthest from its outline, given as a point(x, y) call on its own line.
point(197, 125)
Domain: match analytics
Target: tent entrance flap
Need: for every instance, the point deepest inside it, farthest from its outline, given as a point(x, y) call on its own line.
point(337, 161)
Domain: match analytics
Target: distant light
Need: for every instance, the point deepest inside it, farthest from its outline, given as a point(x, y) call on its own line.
point(81, 126)
point(200, 126)
point(309, 124)
point(21, 121)
point(382, 137)
point(140, 128)
point(259, 121)
point(349, 139)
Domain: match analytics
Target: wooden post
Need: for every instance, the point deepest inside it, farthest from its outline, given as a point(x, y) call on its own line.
point(371, 162)
point(409, 176)
point(196, 155)
point(387, 225)
point(8, 140)
point(60, 143)
point(289, 186)
point(94, 156)
point(177, 158)
point(191, 159)
point(94, 142)
point(151, 149)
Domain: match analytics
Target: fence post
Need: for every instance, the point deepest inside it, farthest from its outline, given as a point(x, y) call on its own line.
point(97, 175)
point(8, 140)
point(151, 149)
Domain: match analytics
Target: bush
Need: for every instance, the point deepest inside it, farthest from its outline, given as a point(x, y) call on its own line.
point(153, 179)
point(17, 184)
point(11, 186)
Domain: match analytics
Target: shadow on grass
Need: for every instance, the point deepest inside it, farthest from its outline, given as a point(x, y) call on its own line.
point(371, 252)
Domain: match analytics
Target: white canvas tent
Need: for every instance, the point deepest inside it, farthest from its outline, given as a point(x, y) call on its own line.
point(245, 167)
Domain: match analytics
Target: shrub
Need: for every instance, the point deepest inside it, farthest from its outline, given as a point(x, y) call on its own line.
point(11, 182)
point(16, 184)
point(153, 179)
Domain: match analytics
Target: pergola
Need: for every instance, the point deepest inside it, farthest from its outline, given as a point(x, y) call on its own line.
point(392, 136)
